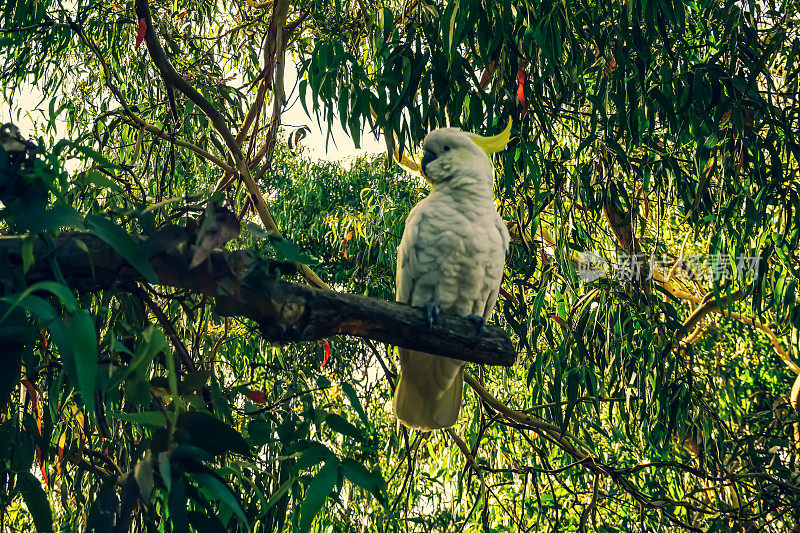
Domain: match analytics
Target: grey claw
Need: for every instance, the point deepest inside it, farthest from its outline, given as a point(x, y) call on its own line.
point(480, 323)
point(432, 312)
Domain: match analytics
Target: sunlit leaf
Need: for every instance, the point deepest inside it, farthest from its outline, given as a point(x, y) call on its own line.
point(36, 501)
point(123, 244)
point(317, 492)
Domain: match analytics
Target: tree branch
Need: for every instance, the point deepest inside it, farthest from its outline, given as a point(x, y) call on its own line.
point(173, 80)
point(247, 286)
point(709, 305)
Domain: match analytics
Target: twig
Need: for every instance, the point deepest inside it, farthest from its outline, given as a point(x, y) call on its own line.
point(173, 79)
point(173, 336)
point(562, 439)
point(475, 468)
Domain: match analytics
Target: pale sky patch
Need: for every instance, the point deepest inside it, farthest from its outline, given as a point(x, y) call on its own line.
point(26, 111)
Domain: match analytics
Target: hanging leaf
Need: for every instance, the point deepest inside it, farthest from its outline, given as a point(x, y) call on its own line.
point(211, 434)
point(256, 396)
point(61, 445)
point(317, 492)
point(36, 501)
point(372, 482)
point(296, 136)
point(153, 341)
point(141, 29)
point(507, 296)
point(57, 289)
point(326, 346)
point(79, 344)
point(521, 91)
point(340, 425)
point(216, 487)
point(356, 403)
point(487, 72)
point(350, 235)
point(34, 395)
point(123, 244)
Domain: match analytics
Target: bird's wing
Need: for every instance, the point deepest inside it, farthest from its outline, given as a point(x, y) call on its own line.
point(407, 263)
point(497, 268)
point(501, 226)
point(428, 393)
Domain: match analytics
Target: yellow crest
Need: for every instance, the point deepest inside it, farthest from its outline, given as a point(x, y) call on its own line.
point(495, 143)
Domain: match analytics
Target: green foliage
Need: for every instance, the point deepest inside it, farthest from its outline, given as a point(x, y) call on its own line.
point(664, 128)
point(320, 205)
point(36, 501)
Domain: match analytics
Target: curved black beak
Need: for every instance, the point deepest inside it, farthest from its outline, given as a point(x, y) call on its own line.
point(427, 157)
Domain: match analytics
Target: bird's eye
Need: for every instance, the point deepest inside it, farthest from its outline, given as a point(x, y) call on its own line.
point(446, 148)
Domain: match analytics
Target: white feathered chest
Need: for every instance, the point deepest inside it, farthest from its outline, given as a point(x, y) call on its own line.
point(454, 250)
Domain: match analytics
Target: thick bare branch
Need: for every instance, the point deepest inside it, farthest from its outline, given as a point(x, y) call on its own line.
point(244, 285)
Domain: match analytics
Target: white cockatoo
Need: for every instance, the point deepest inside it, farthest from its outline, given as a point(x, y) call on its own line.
point(450, 260)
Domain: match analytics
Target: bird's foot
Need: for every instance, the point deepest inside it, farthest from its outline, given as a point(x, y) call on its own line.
point(432, 313)
point(480, 323)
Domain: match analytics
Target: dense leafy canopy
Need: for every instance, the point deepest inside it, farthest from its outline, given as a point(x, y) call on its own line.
point(660, 138)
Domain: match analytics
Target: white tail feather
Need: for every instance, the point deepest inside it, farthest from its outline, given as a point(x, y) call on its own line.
point(428, 393)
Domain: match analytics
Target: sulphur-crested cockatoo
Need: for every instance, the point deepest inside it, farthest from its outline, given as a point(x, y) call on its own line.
point(450, 260)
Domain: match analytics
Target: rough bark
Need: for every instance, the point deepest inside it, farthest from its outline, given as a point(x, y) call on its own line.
point(247, 286)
